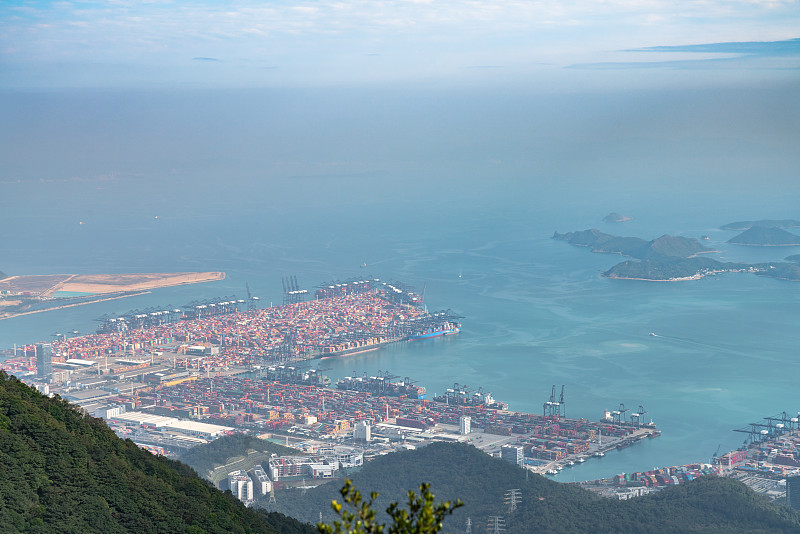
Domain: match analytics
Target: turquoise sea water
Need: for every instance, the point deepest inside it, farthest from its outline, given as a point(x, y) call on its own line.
point(537, 312)
point(424, 186)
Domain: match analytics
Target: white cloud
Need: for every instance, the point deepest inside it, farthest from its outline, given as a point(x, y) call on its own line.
point(301, 32)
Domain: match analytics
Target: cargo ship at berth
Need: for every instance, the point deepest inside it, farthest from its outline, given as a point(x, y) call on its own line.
point(382, 385)
point(443, 329)
point(462, 395)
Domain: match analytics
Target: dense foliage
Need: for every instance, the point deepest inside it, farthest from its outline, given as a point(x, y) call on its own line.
point(668, 270)
point(664, 247)
point(708, 505)
point(204, 458)
point(422, 515)
point(63, 471)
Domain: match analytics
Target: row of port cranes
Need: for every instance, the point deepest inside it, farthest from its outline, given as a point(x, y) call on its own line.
point(770, 428)
point(197, 309)
point(212, 307)
point(428, 322)
point(619, 417)
point(463, 395)
point(395, 292)
point(555, 408)
point(400, 293)
point(293, 294)
point(137, 319)
point(341, 288)
point(382, 384)
point(301, 374)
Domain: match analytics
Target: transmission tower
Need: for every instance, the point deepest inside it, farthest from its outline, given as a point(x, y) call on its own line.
point(512, 498)
point(496, 524)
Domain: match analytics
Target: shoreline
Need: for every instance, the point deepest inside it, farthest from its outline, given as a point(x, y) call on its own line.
point(114, 283)
point(697, 276)
point(64, 306)
point(760, 245)
point(110, 287)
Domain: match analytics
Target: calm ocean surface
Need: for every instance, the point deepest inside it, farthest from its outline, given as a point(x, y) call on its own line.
point(537, 312)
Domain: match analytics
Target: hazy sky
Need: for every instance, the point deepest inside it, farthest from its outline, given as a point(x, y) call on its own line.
point(120, 43)
point(156, 95)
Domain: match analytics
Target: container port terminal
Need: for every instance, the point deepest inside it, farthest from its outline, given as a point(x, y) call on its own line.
point(170, 378)
point(769, 455)
point(173, 377)
point(343, 317)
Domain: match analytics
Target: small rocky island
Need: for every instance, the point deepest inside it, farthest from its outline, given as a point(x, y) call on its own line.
point(668, 258)
point(615, 217)
point(766, 236)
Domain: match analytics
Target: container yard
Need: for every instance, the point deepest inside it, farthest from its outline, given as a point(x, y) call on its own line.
point(217, 363)
point(769, 455)
point(356, 317)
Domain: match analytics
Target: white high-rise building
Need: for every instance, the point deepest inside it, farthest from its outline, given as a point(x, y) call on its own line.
point(464, 424)
point(362, 431)
point(262, 482)
point(241, 486)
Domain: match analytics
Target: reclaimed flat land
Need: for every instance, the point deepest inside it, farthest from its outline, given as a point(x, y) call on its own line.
point(34, 292)
point(34, 284)
point(115, 283)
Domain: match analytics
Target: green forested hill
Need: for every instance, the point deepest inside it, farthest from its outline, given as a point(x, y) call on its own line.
point(206, 457)
point(708, 505)
point(765, 237)
point(63, 471)
point(666, 247)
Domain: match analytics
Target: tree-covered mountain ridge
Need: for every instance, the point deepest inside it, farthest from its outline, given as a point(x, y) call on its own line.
point(64, 471)
point(460, 471)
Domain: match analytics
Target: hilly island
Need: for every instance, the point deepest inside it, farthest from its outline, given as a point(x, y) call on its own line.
point(670, 258)
point(766, 236)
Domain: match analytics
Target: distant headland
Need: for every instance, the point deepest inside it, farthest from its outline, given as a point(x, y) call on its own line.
point(25, 294)
point(669, 258)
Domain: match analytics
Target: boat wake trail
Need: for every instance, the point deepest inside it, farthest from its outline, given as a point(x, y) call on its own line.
point(700, 344)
